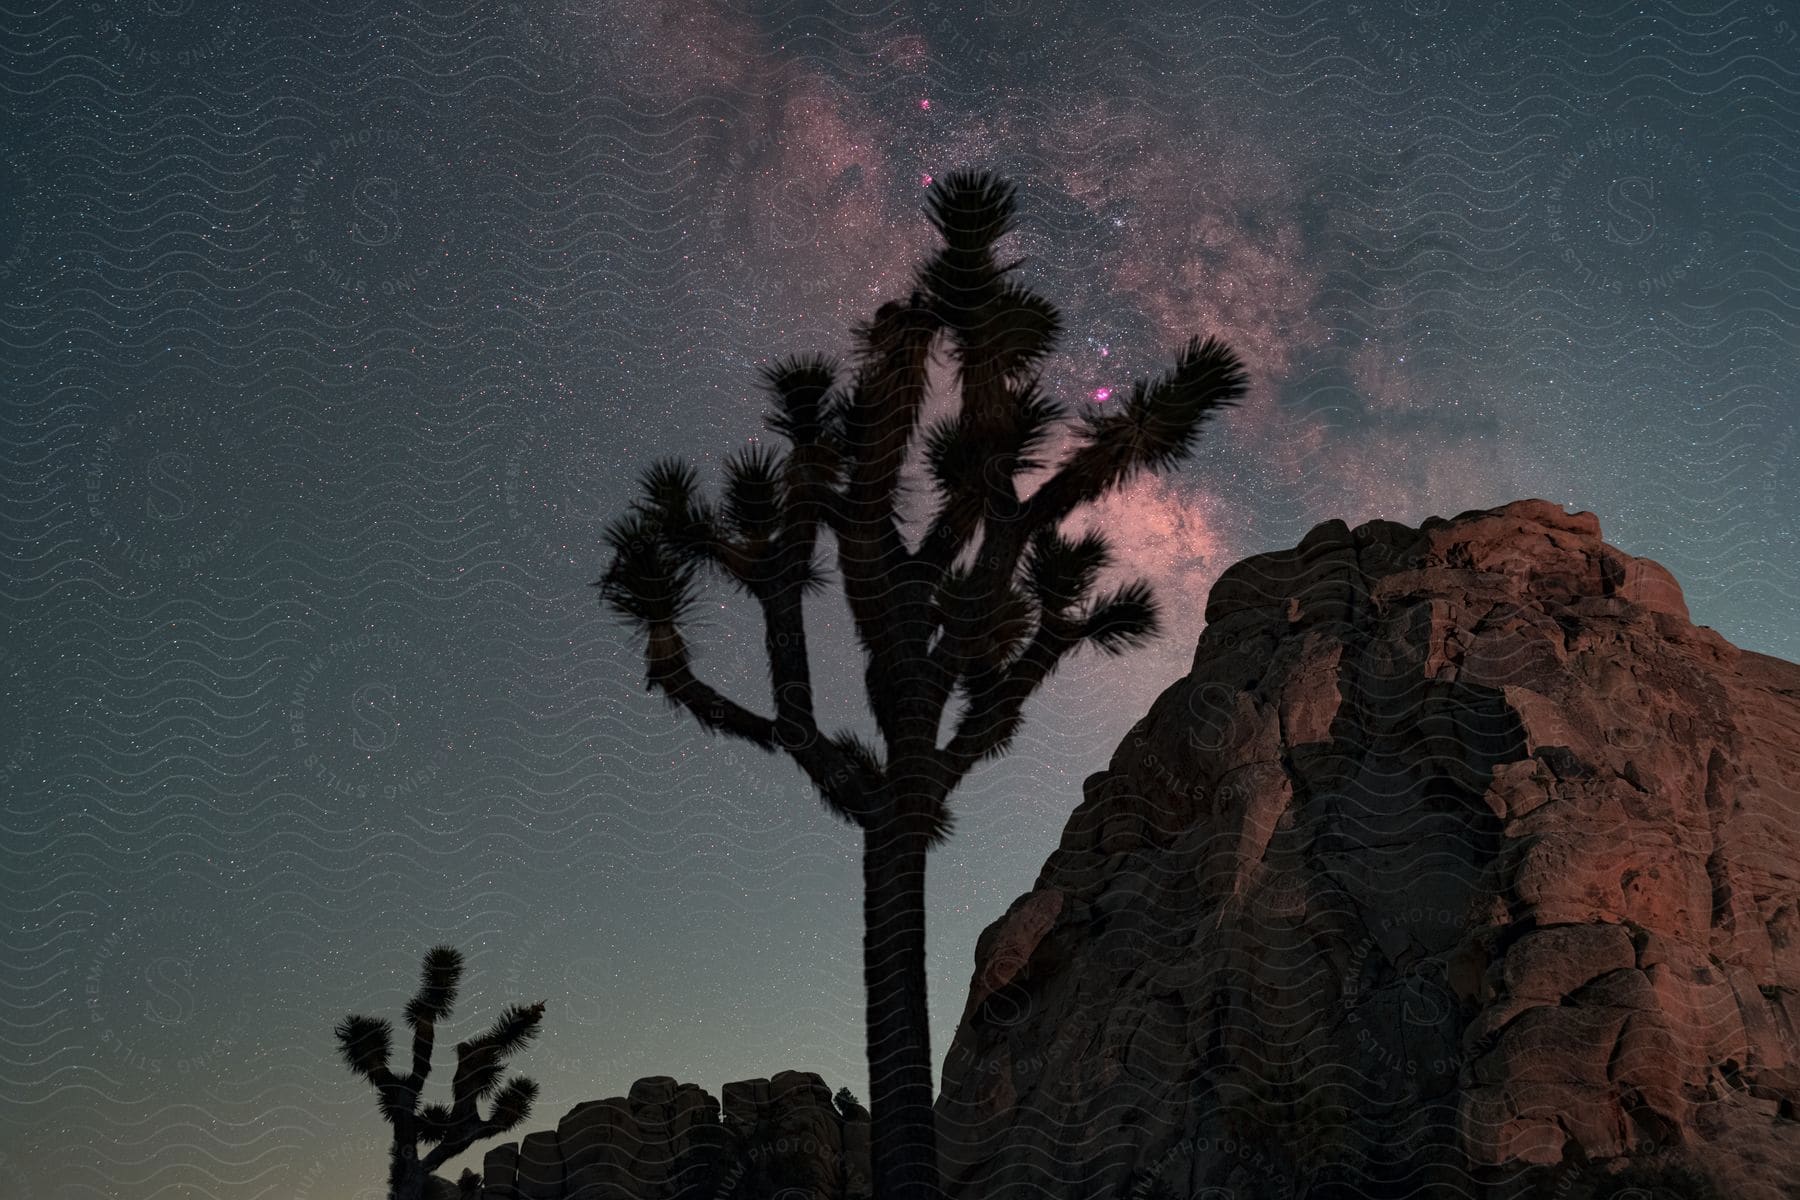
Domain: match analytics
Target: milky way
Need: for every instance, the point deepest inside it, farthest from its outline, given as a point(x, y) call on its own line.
point(334, 334)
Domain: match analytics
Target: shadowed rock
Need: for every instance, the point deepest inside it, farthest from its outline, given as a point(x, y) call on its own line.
point(666, 1141)
point(1462, 862)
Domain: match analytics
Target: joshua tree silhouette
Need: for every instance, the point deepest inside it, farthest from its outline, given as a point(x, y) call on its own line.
point(363, 1042)
point(982, 610)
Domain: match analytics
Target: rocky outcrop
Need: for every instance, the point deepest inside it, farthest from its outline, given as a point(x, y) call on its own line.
point(665, 1141)
point(1461, 863)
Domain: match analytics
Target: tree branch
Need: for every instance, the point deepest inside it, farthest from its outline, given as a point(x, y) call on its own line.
point(466, 1135)
point(879, 422)
point(669, 673)
point(511, 1108)
point(783, 604)
point(993, 714)
point(424, 1033)
point(949, 534)
point(845, 784)
point(884, 405)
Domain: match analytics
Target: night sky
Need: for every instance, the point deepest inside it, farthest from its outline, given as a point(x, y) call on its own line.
point(331, 335)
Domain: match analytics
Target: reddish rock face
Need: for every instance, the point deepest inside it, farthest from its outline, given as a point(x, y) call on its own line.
point(1462, 862)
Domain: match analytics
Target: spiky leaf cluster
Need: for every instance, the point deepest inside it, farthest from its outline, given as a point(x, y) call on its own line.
point(801, 386)
point(1062, 570)
point(1157, 425)
point(993, 595)
point(438, 980)
point(754, 493)
point(364, 1044)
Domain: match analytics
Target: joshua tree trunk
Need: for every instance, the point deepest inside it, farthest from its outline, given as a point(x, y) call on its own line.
point(406, 1176)
point(935, 622)
point(903, 1137)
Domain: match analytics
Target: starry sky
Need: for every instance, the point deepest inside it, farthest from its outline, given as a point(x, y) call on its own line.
point(331, 334)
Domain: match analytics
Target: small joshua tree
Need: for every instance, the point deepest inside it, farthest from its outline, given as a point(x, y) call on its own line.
point(364, 1043)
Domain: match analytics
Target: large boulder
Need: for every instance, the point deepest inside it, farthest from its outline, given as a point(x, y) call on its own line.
point(1461, 863)
point(669, 1141)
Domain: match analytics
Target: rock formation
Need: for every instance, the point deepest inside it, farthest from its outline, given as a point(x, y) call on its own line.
point(665, 1141)
point(1461, 863)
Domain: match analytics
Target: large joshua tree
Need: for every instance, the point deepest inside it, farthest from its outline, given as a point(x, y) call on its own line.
point(979, 609)
point(364, 1044)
